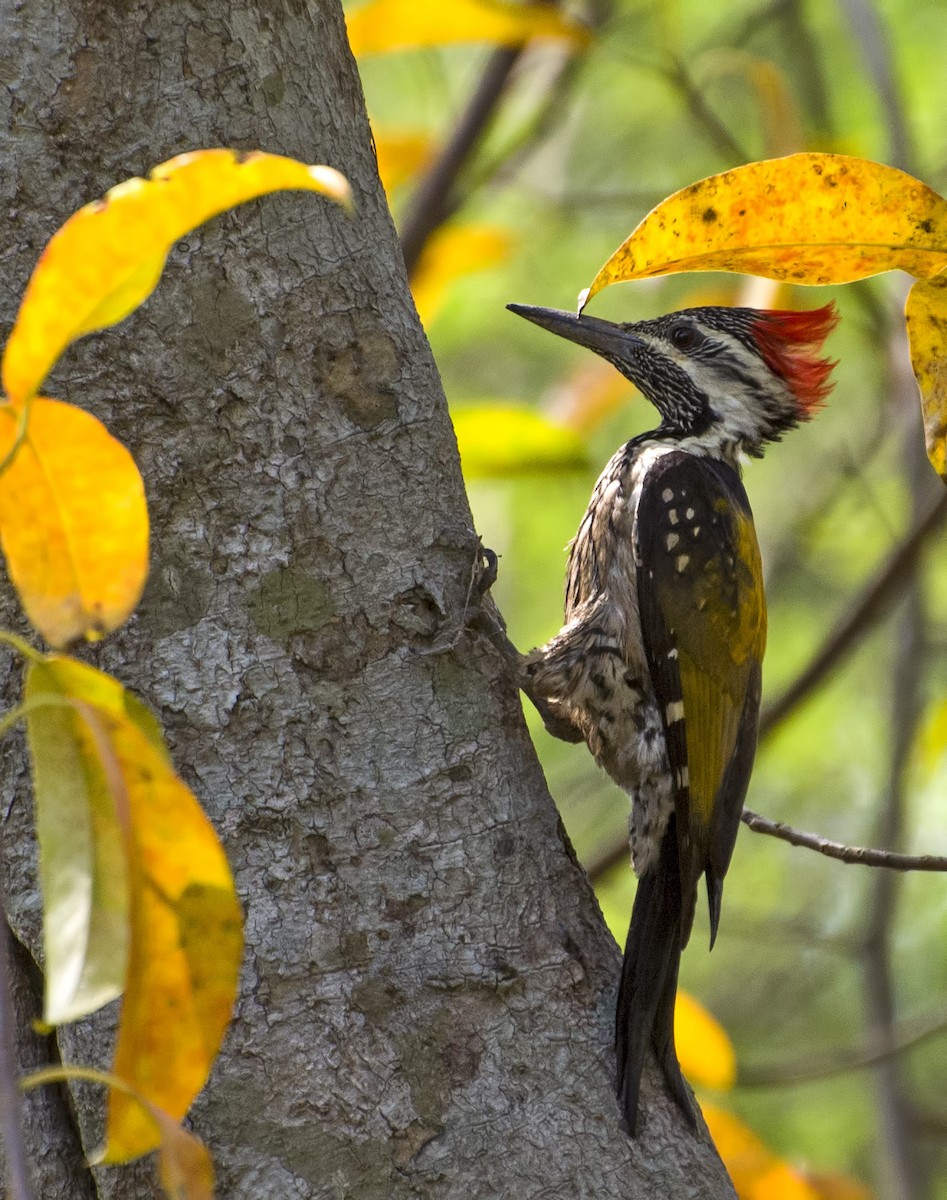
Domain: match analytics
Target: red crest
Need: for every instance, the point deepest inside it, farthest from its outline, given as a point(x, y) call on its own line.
point(789, 343)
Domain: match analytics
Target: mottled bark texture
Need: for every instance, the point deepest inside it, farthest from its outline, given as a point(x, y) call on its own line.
point(427, 992)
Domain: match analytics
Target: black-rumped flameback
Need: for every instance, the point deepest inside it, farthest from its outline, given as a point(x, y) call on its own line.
point(658, 662)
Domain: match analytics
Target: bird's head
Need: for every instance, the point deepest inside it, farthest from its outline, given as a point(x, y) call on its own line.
point(723, 379)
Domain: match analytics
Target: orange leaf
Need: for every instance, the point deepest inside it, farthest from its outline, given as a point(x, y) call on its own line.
point(73, 521)
point(808, 218)
point(744, 1154)
point(757, 1173)
point(454, 251)
point(108, 257)
point(382, 26)
point(705, 1052)
point(926, 316)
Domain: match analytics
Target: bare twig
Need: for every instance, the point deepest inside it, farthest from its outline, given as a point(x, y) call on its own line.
point(720, 136)
point(824, 1066)
point(865, 856)
point(433, 201)
point(848, 854)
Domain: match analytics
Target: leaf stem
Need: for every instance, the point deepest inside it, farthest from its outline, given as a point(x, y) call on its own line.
point(23, 422)
point(20, 645)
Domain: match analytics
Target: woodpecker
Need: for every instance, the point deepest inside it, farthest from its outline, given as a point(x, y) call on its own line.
point(658, 664)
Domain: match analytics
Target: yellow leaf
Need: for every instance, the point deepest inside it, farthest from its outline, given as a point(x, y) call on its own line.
point(705, 1052)
point(926, 316)
point(185, 929)
point(808, 218)
point(495, 440)
point(401, 157)
point(108, 257)
point(454, 251)
point(73, 521)
point(82, 853)
point(382, 26)
point(185, 948)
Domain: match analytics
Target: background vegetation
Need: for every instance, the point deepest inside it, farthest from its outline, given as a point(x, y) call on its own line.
point(821, 969)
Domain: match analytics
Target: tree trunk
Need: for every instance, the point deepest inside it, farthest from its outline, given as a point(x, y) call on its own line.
point(427, 994)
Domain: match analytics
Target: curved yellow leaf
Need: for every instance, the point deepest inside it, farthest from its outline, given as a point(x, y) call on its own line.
point(108, 256)
point(497, 440)
point(705, 1052)
point(382, 26)
point(185, 950)
point(73, 521)
point(454, 251)
point(926, 316)
point(807, 218)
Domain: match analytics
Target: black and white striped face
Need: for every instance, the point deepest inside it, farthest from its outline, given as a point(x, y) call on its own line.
point(706, 371)
point(703, 372)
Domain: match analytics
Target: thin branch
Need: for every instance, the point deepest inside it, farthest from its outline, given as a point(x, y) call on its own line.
point(617, 851)
point(433, 201)
point(719, 135)
point(848, 854)
point(824, 1066)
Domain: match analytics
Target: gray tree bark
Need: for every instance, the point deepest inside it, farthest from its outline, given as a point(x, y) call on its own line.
point(427, 993)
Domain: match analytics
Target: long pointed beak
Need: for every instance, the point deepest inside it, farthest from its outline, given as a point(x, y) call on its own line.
point(604, 337)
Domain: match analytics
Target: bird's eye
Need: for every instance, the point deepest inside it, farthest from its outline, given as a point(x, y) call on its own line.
point(684, 337)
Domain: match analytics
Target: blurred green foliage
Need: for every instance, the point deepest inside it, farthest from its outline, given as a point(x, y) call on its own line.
point(620, 129)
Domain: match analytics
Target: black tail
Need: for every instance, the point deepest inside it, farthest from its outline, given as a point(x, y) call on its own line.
point(645, 1013)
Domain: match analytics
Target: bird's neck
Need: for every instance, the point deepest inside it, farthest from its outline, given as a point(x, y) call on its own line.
point(715, 442)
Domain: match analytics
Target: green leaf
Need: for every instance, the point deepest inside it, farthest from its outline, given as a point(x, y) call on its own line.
point(82, 854)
